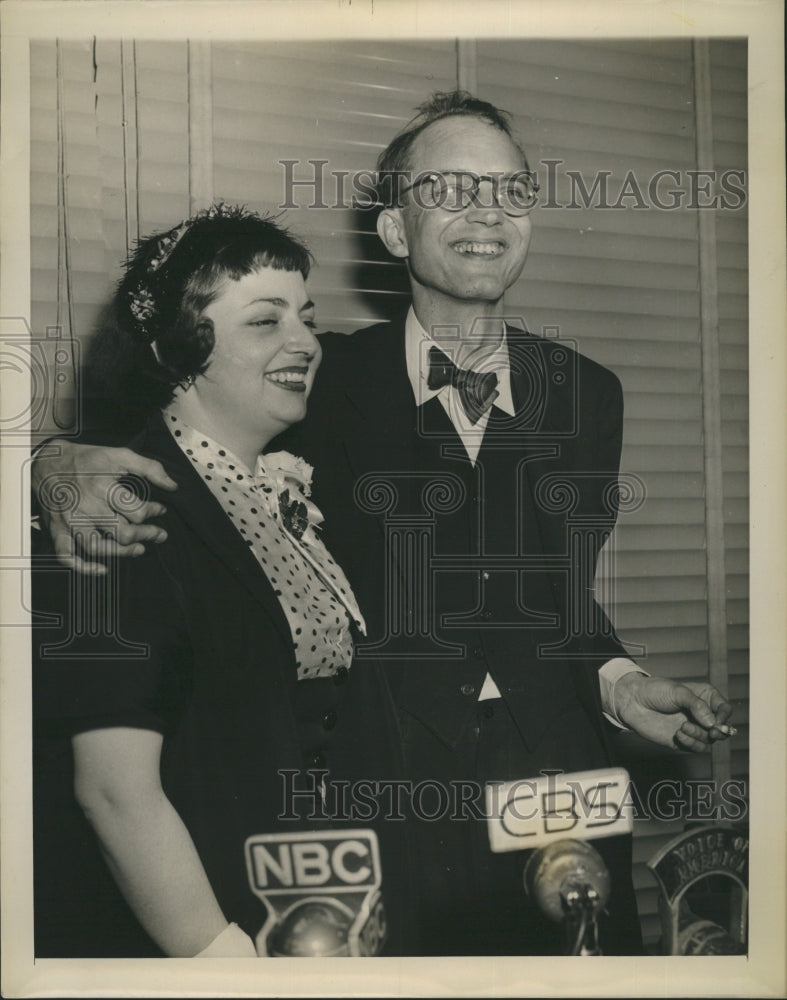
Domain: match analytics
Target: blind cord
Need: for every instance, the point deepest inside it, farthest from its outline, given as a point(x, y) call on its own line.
point(64, 388)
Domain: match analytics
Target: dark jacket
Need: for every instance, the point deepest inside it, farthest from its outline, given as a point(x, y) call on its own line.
point(463, 571)
point(189, 640)
point(508, 551)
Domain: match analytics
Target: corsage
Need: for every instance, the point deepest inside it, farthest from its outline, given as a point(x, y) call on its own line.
point(292, 477)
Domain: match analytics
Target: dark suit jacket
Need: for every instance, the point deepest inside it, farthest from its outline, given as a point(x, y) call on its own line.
point(501, 559)
point(189, 640)
point(462, 571)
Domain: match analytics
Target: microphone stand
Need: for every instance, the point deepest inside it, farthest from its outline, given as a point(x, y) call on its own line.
point(580, 904)
point(570, 883)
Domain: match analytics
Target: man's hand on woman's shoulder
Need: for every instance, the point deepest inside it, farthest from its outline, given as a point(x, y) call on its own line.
point(88, 505)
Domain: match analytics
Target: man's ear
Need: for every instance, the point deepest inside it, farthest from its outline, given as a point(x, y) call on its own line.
point(390, 229)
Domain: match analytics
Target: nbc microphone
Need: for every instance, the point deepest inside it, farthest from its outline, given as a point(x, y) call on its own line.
point(322, 892)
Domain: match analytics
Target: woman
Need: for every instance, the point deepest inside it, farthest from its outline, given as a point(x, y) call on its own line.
point(198, 713)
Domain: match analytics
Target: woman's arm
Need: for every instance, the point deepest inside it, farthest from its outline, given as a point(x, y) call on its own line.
point(145, 843)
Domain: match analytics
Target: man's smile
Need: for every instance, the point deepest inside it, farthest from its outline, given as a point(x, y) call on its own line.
point(479, 248)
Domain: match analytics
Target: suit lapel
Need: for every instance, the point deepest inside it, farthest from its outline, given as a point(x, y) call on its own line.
point(386, 432)
point(545, 394)
point(197, 506)
point(543, 407)
point(380, 397)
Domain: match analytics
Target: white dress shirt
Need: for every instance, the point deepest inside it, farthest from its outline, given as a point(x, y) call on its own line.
point(417, 345)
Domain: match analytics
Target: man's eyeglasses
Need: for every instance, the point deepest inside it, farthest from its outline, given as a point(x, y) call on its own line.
point(455, 190)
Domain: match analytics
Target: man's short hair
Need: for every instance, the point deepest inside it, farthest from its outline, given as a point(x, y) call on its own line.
point(393, 164)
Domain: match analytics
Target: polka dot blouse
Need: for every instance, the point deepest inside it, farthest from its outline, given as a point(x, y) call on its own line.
point(312, 589)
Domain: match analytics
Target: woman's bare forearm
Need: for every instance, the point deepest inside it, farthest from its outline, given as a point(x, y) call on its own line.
point(145, 842)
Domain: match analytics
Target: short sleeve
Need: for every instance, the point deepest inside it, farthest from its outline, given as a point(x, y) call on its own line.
point(110, 650)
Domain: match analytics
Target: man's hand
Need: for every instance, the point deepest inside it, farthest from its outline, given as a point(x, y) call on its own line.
point(688, 716)
point(89, 514)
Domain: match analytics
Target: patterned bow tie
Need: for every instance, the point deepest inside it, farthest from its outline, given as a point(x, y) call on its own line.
point(477, 390)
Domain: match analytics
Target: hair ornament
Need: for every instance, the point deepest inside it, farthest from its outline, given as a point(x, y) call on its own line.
point(141, 301)
point(167, 244)
point(142, 305)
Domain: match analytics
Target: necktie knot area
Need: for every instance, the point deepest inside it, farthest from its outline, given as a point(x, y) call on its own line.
point(477, 390)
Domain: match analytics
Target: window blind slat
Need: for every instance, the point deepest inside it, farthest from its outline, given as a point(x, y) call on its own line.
point(267, 108)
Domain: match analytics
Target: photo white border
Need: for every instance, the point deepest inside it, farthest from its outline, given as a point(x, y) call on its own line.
point(762, 973)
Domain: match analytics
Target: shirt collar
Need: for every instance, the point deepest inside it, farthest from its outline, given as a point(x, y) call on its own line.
point(208, 453)
point(417, 343)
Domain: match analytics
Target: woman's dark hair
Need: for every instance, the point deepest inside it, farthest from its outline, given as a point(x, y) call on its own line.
point(160, 338)
point(393, 164)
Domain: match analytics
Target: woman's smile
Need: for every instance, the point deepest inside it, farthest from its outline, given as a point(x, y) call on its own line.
point(263, 362)
point(293, 378)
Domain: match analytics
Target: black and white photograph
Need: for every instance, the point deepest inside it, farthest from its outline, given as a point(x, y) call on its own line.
point(392, 439)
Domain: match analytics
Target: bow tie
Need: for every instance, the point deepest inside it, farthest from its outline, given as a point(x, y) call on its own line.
point(477, 390)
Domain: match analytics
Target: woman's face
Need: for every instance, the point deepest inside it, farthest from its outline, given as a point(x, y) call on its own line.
point(265, 354)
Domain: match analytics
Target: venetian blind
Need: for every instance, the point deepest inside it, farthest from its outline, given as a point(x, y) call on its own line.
point(142, 122)
point(109, 162)
point(618, 274)
point(66, 240)
point(623, 283)
point(338, 102)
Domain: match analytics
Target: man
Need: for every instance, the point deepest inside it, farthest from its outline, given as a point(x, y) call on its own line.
point(468, 511)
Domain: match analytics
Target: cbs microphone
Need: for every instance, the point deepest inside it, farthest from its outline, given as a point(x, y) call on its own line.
point(565, 877)
point(570, 883)
point(322, 893)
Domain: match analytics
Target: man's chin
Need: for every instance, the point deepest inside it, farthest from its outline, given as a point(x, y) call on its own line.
point(484, 282)
point(486, 292)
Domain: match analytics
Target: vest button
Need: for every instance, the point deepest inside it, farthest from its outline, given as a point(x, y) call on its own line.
point(340, 676)
point(467, 690)
point(486, 613)
point(318, 759)
point(329, 719)
point(478, 653)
